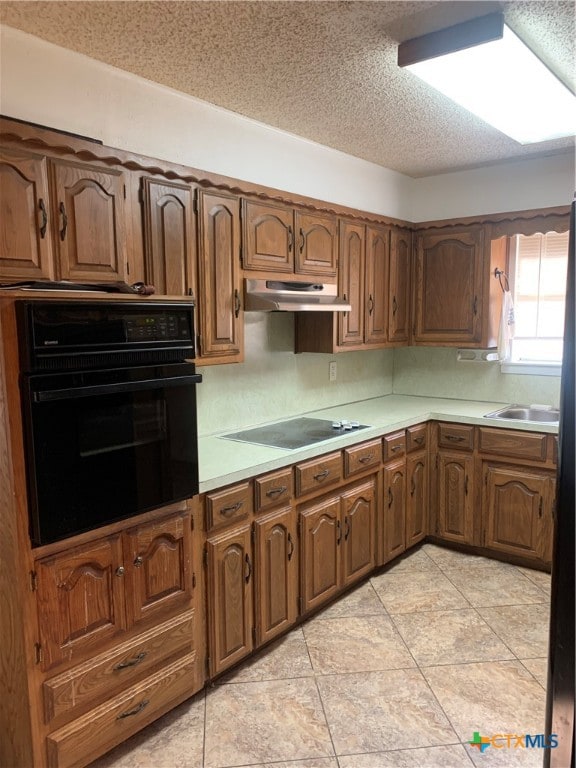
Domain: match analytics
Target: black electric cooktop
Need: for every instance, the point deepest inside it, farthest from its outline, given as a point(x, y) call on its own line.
point(295, 433)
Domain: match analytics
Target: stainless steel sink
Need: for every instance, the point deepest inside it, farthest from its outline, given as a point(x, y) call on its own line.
point(542, 414)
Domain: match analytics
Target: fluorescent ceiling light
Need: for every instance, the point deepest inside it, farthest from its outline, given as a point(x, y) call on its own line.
point(483, 66)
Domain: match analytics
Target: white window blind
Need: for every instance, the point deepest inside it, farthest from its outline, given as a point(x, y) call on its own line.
point(538, 265)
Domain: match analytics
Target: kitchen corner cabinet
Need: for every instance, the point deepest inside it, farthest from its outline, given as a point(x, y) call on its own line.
point(394, 509)
point(416, 498)
point(276, 238)
point(454, 301)
point(61, 220)
point(220, 317)
point(455, 511)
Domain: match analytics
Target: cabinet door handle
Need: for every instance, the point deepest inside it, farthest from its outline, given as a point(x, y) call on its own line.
point(475, 306)
point(366, 459)
point(322, 475)
point(540, 508)
point(302, 240)
point(277, 491)
point(237, 305)
point(137, 708)
point(338, 532)
point(466, 485)
point(454, 438)
point(64, 227)
point(291, 545)
point(290, 238)
point(390, 498)
point(44, 224)
point(347, 530)
point(394, 305)
point(248, 569)
point(227, 511)
point(370, 305)
point(412, 487)
point(131, 662)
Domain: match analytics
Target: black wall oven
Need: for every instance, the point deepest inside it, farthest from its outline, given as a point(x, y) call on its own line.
point(109, 407)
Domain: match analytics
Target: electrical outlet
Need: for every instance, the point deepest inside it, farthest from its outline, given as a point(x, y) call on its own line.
point(332, 371)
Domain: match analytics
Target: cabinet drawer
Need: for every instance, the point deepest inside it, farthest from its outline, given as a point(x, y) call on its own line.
point(523, 445)
point(229, 505)
point(317, 473)
point(456, 436)
point(112, 722)
point(273, 489)
point(416, 437)
point(394, 445)
point(362, 457)
point(110, 672)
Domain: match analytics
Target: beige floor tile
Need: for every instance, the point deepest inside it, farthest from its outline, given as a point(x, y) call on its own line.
point(355, 644)
point(251, 723)
point(506, 757)
point(413, 591)
point(450, 637)
point(523, 628)
point(362, 601)
point(315, 762)
point(539, 668)
point(378, 711)
point(453, 756)
point(417, 560)
point(174, 741)
point(446, 558)
point(285, 658)
point(540, 578)
point(489, 697)
point(495, 587)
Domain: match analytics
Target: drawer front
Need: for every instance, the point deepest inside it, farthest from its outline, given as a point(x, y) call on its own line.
point(362, 457)
point(228, 506)
point(273, 489)
point(318, 473)
point(456, 436)
point(394, 445)
point(416, 437)
point(504, 442)
point(104, 727)
point(102, 676)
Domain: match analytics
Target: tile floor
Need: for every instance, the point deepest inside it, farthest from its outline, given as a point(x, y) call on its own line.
point(398, 673)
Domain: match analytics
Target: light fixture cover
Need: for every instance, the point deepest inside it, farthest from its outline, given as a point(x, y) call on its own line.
point(499, 79)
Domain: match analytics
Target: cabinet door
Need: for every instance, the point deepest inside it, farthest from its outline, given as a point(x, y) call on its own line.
point(455, 497)
point(91, 227)
point(316, 244)
point(399, 286)
point(517, 511)
point(376, 290)
point(158, 568)
point(169, 246)
point(416, 498)
point(219, 300)
point(80, 600)
point(394, 505)
point(229, 585)
point(359, 536)
point(351, 275)
point(276, 574)
point(25, 242)
point(320, 561)
point(448, 297)
point(267, 237)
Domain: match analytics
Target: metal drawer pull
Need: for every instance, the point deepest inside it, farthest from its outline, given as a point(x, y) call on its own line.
point(322, 475)
point(419, 440)
point(131, 662)
point(454, 438)
point(277, 491)
point(366, 459)
point(396, 448)
point(227, 511)
point(291, 544)
point(248, 569)
point(137, 708)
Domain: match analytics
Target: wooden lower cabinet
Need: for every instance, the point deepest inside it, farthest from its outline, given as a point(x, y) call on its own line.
point(517, 511)
point(394, 510)
point(276, 573)
point(455, 512)
point(416, 498)
point(337, 542)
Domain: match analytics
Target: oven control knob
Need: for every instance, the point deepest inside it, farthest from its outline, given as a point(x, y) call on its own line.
point(120, 570)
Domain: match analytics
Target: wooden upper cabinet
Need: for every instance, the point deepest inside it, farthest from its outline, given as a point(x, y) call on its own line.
point(90, 237)
point(169, 236)
point(448, 294)
point(351, 276)
point(220, 304)
point(376, 285)
point(316, 244)
point(80, 600)
point(399, 286)
point(25, 231)
point(267, 237)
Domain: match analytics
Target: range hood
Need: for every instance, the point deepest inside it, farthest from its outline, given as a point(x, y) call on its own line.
point(292, 296)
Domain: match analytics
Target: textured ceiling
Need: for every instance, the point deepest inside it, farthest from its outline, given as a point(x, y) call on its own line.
point(323, 70)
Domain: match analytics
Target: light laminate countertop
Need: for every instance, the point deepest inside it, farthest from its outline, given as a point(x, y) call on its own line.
point(222, 461)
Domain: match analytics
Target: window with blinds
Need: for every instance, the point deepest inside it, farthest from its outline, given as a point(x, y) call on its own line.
point(538, 265)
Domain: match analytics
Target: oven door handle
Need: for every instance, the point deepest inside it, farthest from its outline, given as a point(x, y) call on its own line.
point(50, 395)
